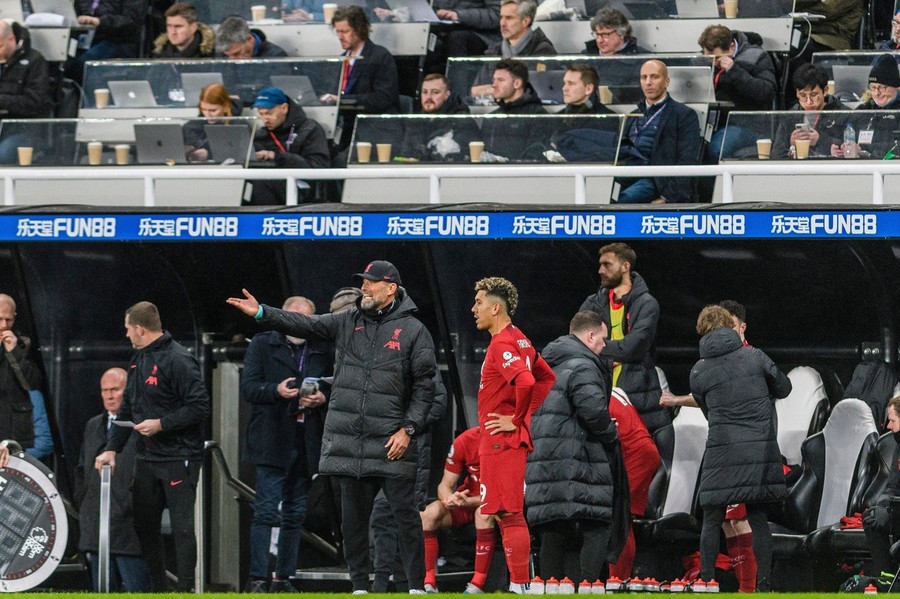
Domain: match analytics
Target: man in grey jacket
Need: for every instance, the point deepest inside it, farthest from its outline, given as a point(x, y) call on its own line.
point(382, 393)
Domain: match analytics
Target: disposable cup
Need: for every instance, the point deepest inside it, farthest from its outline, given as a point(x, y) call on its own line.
point(763, 148)
point(26, 153)
point(122, 153)
point(384, 152)
point(328, 11)
point(802, 148)
point(258, 12)
point(95, 153)
point(101, 97)
point(363, 151)
point(476, 148)
point(731, 9)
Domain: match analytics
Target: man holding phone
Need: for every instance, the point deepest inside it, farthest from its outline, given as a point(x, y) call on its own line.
point(283, 441)
point(810, 84)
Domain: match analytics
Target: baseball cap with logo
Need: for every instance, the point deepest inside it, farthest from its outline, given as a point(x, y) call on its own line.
point(269, 97)
point(380, 270)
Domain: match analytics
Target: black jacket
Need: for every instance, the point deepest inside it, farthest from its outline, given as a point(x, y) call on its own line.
point(734, 386)
point(373, 87)
point(420, 135)
point(16, 412)
point(882, 124)
point(568, 474)
point(830, 130)
point(635, 352)
point(203, 46)
point(25, 86)
point(164, 382)
point(517, 139)
point(123, 539)
point(750, 83)
point(120, 20)
point(677, 142)
point(630, 47)
point(383, 380)
point(263, 48)
point(482, 16)
point(273, 432)
point(537, 45)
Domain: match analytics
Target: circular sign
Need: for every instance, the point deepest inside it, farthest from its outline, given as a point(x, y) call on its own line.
point(33, 525)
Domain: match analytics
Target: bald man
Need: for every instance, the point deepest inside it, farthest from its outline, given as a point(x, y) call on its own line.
point(127, 569)
point(18, 375)
point(666, 132)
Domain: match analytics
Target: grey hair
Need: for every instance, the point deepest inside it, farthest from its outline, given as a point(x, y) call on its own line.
point(612, 18)
point(233, 30)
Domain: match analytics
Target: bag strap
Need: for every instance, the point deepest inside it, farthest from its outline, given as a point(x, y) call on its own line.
point(17, 370)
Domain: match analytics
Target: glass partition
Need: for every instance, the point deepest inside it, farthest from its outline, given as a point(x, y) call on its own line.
point(177, 84)
point(850, 73)
point(493, 139)
point(808, 135)
point(75, 142)
point(310, 11)
point(690, 77)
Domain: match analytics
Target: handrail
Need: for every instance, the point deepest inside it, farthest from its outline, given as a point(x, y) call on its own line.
point(877, 169)
point(246, 493)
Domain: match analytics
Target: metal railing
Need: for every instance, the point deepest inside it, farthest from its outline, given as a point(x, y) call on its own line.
point(580, 173)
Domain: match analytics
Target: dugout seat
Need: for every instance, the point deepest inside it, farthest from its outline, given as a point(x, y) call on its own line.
point(802, 413)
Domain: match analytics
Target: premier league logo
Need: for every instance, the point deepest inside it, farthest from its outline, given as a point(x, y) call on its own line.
point(33, 526)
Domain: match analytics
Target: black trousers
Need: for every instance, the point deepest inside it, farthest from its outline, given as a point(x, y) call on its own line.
point(879, 541)
point(557, 536)
point(357, 499)
point(160, 485)
point(758, 519)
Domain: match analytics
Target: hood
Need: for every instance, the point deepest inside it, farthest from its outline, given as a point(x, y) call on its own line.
point(719, 342)
point(565, 348)
point(295, 117)
point(405, 306)
point(207, 41)
point(529, 98)
point(638, 288)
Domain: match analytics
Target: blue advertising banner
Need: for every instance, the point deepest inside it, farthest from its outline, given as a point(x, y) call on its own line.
point(768, 224)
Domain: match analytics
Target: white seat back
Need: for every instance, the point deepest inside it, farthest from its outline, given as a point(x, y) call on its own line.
point(795, 412)
point(691, 429)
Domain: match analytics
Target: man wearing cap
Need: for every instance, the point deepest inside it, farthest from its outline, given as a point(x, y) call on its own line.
point(874, 131)
point(382, 393)
point(287, 139)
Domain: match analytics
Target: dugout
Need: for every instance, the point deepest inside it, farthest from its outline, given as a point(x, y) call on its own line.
point(818, 284)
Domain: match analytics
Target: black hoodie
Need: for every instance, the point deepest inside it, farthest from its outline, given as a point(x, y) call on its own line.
point(521, 139)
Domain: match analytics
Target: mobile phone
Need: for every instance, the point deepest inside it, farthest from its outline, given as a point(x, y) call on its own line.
point(803, 127)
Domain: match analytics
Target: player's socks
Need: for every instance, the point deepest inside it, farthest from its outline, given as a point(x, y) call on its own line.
point(485, 542)
point(622, 568)
point(740, 550)
point(431, 556)
point(517, 546)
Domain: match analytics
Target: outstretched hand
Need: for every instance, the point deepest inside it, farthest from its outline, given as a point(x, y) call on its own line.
point(247, 304)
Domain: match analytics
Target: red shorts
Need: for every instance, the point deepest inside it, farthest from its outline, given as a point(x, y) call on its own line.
point(462, 516)
point(736, 511)
point(503, 481)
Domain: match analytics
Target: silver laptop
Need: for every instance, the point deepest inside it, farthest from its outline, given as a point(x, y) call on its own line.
point(691, 85)
point(548, 85)
point(697, 9)
point(850, 81)
point(229, 143)
point(193, 84)
point(419, 11)
point(297, 87)
point(63, 8)
point(131, 94)
point(159, 143)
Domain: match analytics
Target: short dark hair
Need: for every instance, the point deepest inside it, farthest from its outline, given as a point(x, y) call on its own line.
point(712, 318)
point(612, 18)
point(586, 320)
point(356, 18)
point(735, 309)
point(144, 314)
point(184, 10)
point(502, 289)
point(515, 67)
point(810, 76)
point(716, 36)
point(894, 402)
point(587, 73)
point(622, 251)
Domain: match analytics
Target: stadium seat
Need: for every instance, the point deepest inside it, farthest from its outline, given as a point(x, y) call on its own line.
point(802, 413)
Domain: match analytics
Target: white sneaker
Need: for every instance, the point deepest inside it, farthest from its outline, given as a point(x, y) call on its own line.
point(472, 589)
point(360, 592)
point(518, 588)
point(416, 591)
point(431, 589)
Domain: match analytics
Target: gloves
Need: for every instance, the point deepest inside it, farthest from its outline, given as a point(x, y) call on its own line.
point(876, 517)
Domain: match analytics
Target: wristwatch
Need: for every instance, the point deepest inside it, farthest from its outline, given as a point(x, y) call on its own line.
point(410, 429)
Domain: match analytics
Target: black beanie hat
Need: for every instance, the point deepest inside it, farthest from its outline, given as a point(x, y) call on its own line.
point(885, 71)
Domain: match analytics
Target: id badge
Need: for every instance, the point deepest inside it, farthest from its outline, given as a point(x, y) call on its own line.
point(865, 137)
point(86, 39)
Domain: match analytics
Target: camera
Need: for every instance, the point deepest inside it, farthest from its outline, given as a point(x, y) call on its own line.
point(310, 386)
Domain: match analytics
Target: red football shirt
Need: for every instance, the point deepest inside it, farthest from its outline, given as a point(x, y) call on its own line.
point(463, 459)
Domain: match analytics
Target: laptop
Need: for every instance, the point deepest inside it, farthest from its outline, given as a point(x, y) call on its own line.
point(691, 85)
point(297, 87)
point(419, 11)
point(229, 143)
point(697, 9)
point(193, 84)
point(131, 94)
point(850, 81)
point(548, 85)
point(63, 8)
point(159, 143)
point(644, 11)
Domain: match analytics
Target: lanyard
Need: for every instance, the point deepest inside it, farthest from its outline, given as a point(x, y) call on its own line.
point(290, 139)
point(637, 131)
point(301, 360)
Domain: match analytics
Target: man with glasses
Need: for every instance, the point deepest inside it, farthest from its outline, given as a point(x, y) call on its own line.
point(822, 130)
point(875, 132)
point(893, 44)
point(612, 35)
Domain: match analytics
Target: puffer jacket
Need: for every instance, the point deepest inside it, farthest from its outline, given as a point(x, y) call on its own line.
point(635, 352)
point(750, 82)
point(383, 381)
point(202, 46)
point(734, 386)
point(568, 473)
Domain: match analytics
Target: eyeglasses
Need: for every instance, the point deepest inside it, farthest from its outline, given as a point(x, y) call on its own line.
point(895, 23)
point(809, 96)
point(877, 88)
point(604, 35)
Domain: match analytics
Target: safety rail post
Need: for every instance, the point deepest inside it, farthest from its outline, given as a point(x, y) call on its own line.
point(434, 189)
point(200, 530)
point(103, 540)
point(877, 188)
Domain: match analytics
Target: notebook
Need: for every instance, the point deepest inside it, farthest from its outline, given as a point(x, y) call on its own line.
point(131, 94)
point(159, 143)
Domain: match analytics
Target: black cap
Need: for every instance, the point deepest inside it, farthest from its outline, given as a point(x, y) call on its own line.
point(885, 71)
point(380, 270)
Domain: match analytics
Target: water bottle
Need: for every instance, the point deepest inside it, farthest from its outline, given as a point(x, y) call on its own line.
point(566, 586)
point(850, 148)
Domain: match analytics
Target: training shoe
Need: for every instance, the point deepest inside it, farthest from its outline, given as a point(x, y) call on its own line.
point(472, 589)
point(417, 591)
point(255, 585)
point(519, 588)
point(431, 589)
point(360, 592)
point(281, 585)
